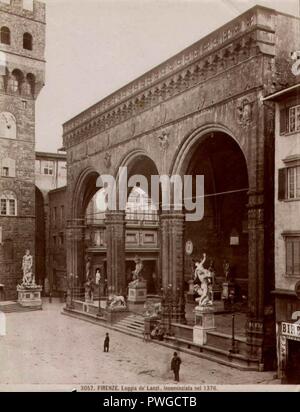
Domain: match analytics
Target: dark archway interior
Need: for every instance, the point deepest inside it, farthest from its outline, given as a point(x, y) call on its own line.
point(144, 166)
point(221, 161)
point(87, 191)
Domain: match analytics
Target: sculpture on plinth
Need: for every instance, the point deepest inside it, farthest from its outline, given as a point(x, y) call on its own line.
point(117, 302)
point(137, 288)
point(203, 287)
point(204, 312)
point(27, 262)
point(137, 273)
point(29, 293)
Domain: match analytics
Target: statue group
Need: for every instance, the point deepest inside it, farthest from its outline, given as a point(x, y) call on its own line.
point(137, 273)
point(203, 282)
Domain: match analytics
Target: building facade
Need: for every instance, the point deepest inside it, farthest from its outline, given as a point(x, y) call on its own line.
point(50, 174)
point(198, 113)
point(287, 230)
point(22, 69)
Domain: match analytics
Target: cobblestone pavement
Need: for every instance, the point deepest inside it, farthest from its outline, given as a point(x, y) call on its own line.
point(45, 347)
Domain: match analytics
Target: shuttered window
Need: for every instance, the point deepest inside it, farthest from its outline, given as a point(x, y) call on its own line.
point(289, 183)
point(292, 256)
point(289, 119)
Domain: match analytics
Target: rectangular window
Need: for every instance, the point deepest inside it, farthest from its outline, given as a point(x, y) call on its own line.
point(3, 207)
point(293, 256)
point(48, 168)
point(62, 215)
point(12, 207)
point(54, 216)
point(293, 182)
point(5, 171)
point(294, 119)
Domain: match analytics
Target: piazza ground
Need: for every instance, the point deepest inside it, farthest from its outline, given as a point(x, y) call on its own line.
point(45, 347)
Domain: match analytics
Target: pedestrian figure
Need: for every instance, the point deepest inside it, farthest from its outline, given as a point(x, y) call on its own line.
point(175, 366)
point(106, 343)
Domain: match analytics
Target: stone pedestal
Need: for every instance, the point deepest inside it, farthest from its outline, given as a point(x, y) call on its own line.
point(137, 293)
point(204, 321)
point(30, 296)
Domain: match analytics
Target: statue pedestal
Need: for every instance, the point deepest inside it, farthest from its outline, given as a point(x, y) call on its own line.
point(30, 296)
point(204, 321)
point(137, 293)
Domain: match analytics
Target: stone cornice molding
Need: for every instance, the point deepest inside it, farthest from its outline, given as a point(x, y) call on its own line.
point(237, 41)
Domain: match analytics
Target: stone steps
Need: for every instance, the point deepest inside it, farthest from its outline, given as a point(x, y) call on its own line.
point(133, 325)
point(13, 307)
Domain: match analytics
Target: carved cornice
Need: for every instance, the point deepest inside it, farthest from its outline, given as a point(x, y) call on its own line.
point(223, 49)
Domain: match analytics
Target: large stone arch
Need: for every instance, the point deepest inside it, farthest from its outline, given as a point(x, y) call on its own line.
point(186, 149)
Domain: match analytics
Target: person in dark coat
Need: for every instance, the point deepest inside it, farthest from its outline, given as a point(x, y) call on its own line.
point(106, 343)
point(175, 366)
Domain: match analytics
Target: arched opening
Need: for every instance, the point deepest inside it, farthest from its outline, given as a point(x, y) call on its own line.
point(142, 221)
point(29, 85)
point(84, 191)
point(223, 231)
point(27, 41)
point(5, 35)
point(15, 81)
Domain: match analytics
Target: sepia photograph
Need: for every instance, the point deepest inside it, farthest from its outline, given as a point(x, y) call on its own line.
point(149, 197)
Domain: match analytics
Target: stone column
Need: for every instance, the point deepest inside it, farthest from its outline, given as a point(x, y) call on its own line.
point(172, 229)
point(115, 252)
point(75, 248)
point(255, 321)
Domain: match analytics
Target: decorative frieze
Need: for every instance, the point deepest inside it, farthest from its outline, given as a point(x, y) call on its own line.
point(207, 58)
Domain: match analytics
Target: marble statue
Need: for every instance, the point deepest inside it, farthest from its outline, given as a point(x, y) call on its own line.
point(27, 269)
point(117, 302)
point(226, 268)
point(89, 290)
point(97, 276)
point(137, 272)
point(203, 287)
point(87, 267)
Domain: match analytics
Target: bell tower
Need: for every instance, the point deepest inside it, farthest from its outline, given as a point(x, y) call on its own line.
point(22, 72)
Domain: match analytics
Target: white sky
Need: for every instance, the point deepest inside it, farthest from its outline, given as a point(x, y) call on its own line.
point(94, 47)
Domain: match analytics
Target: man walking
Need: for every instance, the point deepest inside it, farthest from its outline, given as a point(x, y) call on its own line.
point(106, 343)
point(175, 366)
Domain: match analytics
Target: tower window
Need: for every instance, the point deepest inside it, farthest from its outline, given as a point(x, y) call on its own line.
point(8, 204)
point(27, 41)
point(5, 35)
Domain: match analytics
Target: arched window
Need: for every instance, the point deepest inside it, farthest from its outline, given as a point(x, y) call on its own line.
point(8, 204)
point(29, 85)
point(8, 128)
point(15, 81)
point(27, 41)
point(5, 35)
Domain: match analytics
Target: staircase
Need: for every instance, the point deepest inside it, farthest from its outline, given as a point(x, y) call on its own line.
point(131, 325)
point(13, 307)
